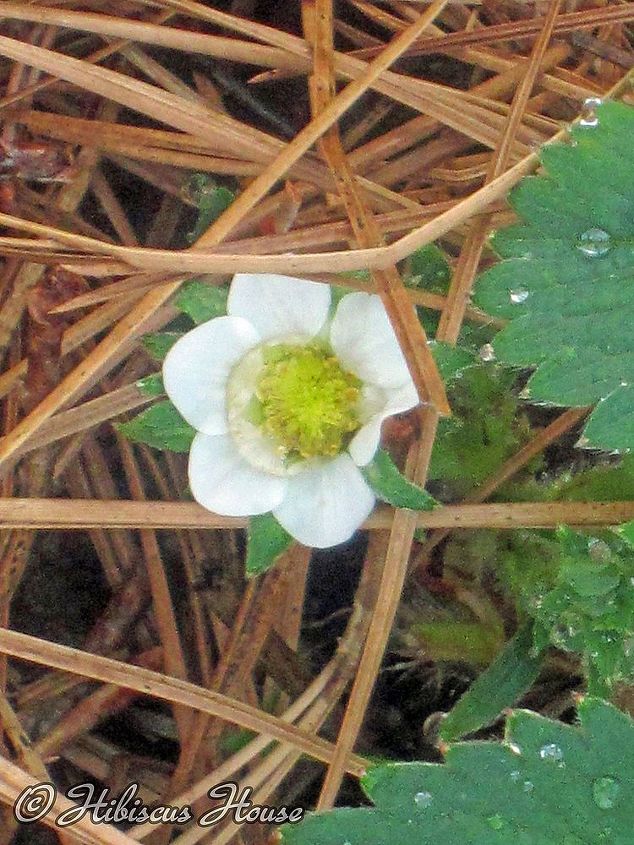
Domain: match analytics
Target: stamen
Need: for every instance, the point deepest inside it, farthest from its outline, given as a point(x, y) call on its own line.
point(308, 402)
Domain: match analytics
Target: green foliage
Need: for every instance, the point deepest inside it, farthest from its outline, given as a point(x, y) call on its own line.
point(211, 199)
point(234, 740)
point(611, 424)
point(390, 486)
point(499, 686)
point(565, 282)
point(266, 541)
point(455, 640)
point(451, 360)
point(429, 269)
point(151, 385)
point(597, 484)
point(160, 426)
point(627, 532)
point(546, 784)
point(486, 428)
point(202, 301)
point(583, 602)
point(575, 587)
point(159, 344)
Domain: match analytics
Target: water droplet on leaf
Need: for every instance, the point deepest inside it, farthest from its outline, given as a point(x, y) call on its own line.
point(594, 242)
point(589, 114)
point(423, 799)
point(599, 550)
point(519, 295)
point(551, 752)
point(487, 353)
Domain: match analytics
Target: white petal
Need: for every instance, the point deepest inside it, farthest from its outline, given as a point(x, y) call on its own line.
point(279, 305)
point(403, 398)
point(364, 341)
point(366, 441)
point(324, 506)
point(196, 369)
point(223, 482)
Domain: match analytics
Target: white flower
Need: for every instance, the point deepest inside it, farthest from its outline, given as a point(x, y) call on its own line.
point(288, 404)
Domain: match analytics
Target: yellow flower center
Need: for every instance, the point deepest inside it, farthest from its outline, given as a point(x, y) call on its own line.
point(305, 401)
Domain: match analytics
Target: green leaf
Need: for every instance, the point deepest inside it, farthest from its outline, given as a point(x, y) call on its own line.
point(160, 426)
point(486, 428)
point(582, 603)
point(160, 343)
point(566, 280)
point(465, 642)
point(211, 199)
point(234, 740)
point(429, 269)
point(627, 532)
point(598, 483)
point(451, 360)
point(547, 784)
point(390, 486)
point(152, 385)
point(611, 424)
point(266, 541)
point(511, 674)
point(202, 301)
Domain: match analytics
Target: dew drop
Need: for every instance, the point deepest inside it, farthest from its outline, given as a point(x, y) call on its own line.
point(599, 550)
point(496, 822)
point(605, 792)
point(589, 114)
point(551, 752)
point(487, 353)
point(594, 242)
point(423, 799)
point(519, 295)
point(515, 776)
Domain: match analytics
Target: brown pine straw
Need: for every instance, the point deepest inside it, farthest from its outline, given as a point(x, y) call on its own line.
point(14, 780)
point(166, 688)
point(462, 281)
point(80, 514)
point(197, 135)
point(318, 22)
